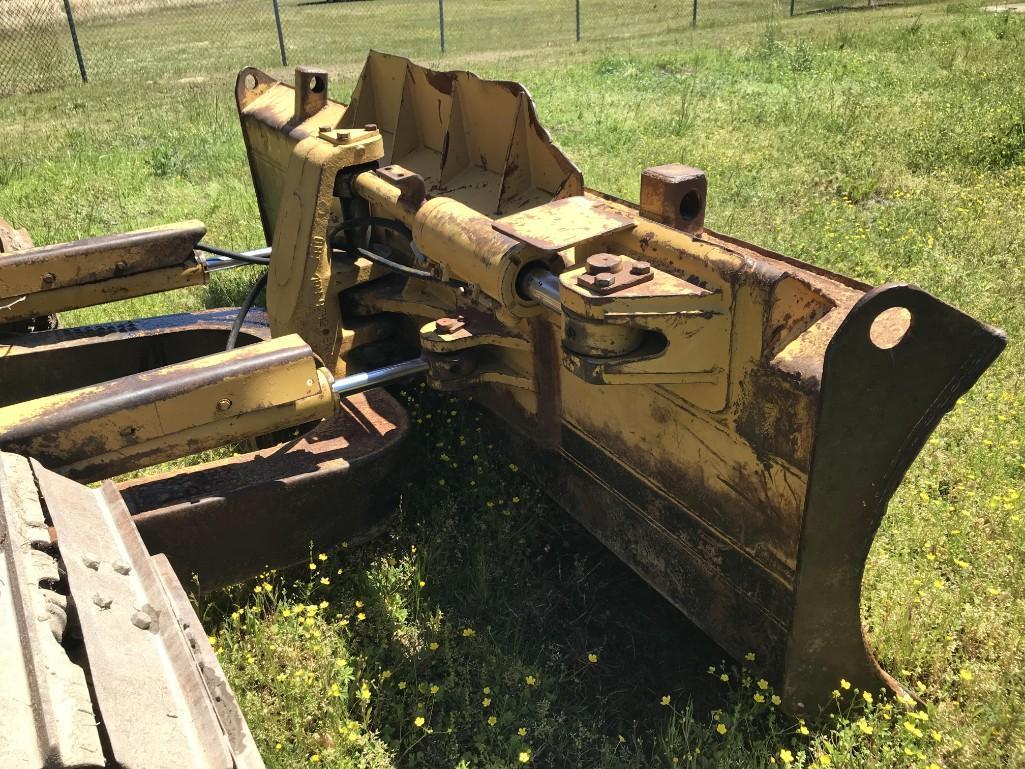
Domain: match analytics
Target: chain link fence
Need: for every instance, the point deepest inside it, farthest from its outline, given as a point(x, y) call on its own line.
point(49, 43)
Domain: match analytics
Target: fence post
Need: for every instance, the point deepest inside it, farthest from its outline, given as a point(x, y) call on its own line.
point(74, 40)
point(281, 34)
point(694, 15)
point(441, 22)
point(578, 21)
point(791, 7)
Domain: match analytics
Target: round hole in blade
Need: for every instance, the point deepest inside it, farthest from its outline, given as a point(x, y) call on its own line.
point(890, 327)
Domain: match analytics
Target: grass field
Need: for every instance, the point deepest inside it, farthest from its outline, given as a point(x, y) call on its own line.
point(486, 629)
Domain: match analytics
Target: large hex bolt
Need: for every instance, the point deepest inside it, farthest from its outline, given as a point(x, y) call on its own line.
point(448, 325)
point(599, 263)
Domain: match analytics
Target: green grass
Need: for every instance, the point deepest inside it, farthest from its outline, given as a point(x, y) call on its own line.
point(887, 145)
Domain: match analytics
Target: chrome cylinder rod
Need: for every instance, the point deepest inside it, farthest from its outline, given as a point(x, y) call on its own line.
point(354, 383)
point(542, 286)
point(215, 263)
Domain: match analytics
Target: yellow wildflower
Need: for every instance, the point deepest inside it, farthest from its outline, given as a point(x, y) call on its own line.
point(592, 658)
point(721, 728)
point(524, 756)
point(845, 684)
point(786, 756)
point(666, 699)
point(492, 720)
point(419, 721)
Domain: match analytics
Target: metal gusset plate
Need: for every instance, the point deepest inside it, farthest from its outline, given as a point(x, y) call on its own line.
point(159, 700)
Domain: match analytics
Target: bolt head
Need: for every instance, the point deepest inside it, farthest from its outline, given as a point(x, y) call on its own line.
point(640, 268)
point(448, 325)
point(142, 620)
point(224, 404)
point(598, 263)
point(49, 279)
point(604, 279)
point(370, 127)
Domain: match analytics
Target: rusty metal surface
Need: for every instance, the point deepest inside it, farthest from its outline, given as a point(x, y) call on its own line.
point(675, 194)
point(46, 279)
point(878, 406)
point(563, 223)
point(117, 426)
point(46, 713)
point(150, 698)
point(270, 507)
point(239, 739)
point(477, 141)
point(12, 239)
point(47, 362)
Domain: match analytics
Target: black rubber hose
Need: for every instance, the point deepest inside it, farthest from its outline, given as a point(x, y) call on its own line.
point(402, 269)
point(377, 221)
point(217, 251)
point(389, 224)
point(243, 311)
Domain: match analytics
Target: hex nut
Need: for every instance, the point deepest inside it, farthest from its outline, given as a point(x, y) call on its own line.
point(640, 268)
point(224, 404)
point(604, 279)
